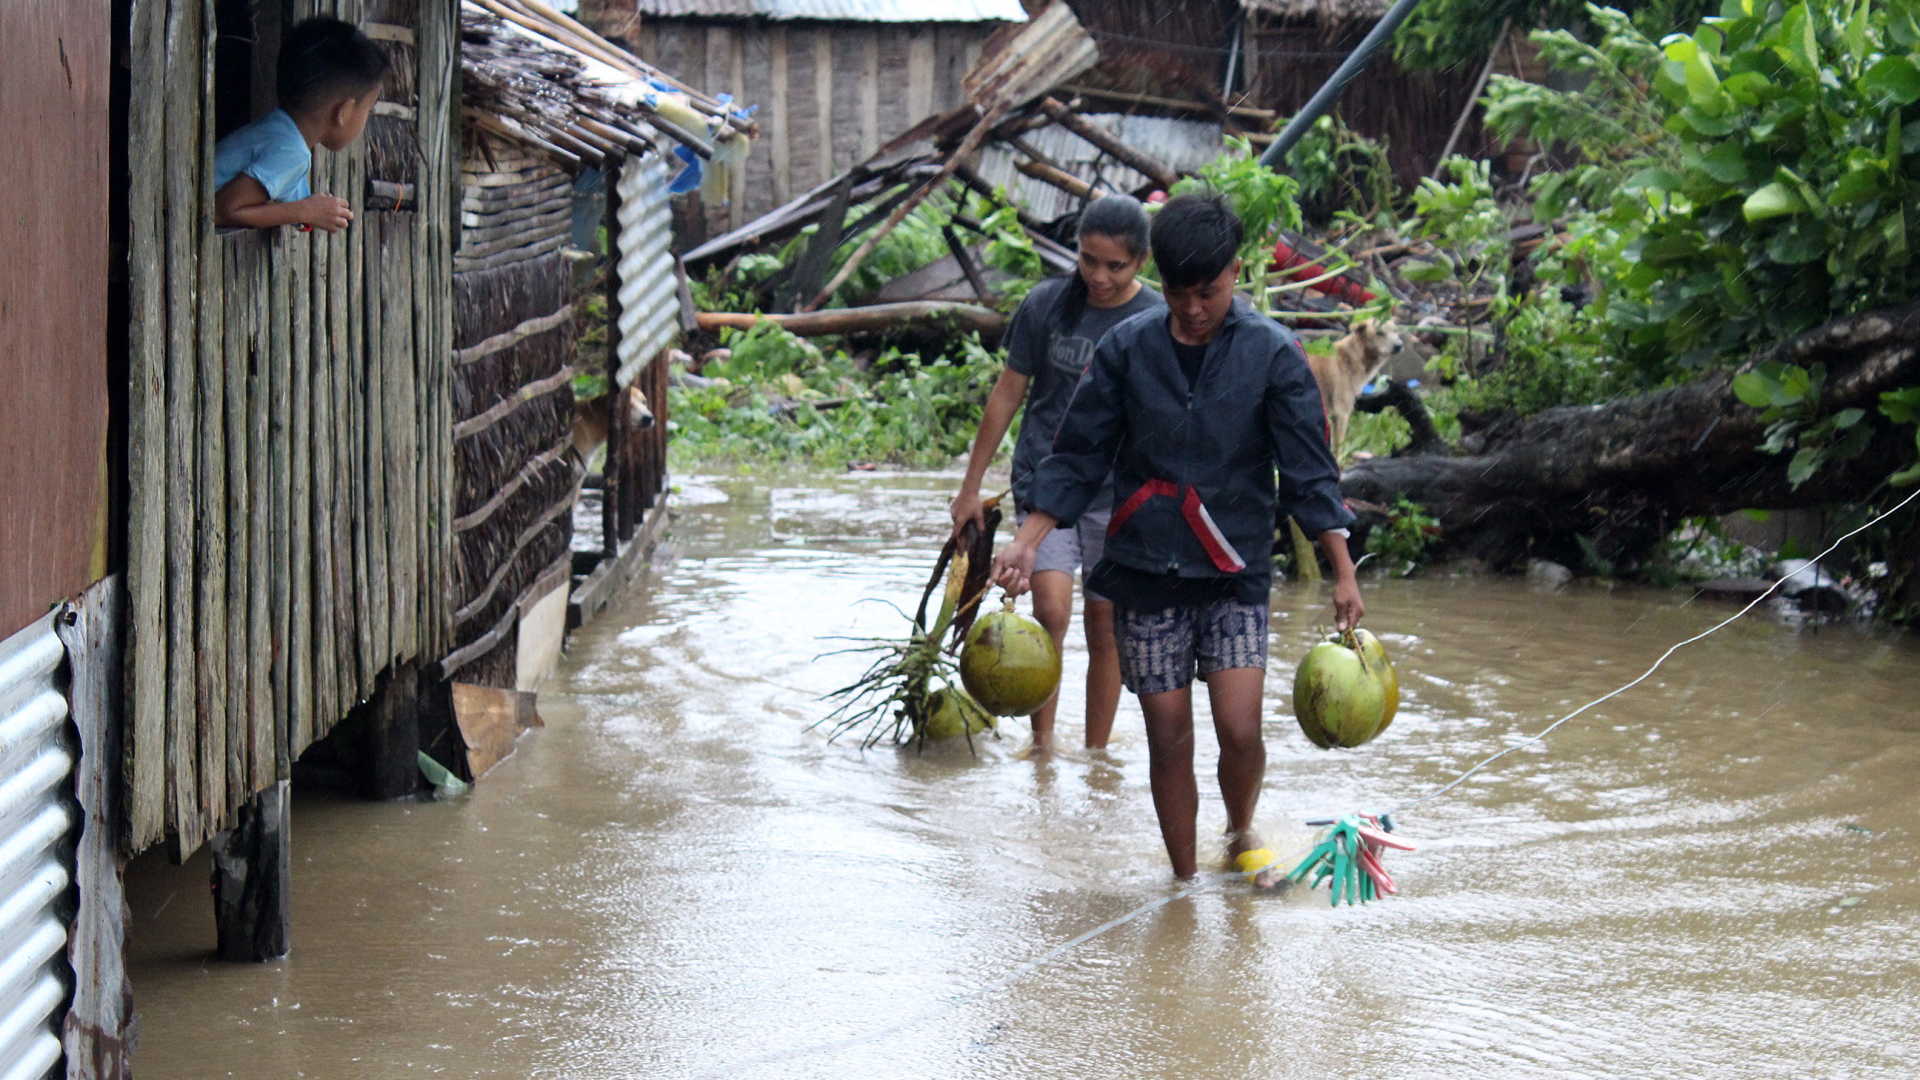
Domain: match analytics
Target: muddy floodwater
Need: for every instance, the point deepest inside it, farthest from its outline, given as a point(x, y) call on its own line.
point(1716, 874)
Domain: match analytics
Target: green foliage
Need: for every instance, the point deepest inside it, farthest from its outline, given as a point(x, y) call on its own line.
point(1379, 434)
point(916, 242)
point(1010, 250)
point(1460, 33)
point(1772, 195)
point(1776, 195)
point(780, 398)
point(1700, 549)
point(1266, 201)
point(1401, 543)
point(1463, 219)
point(1339, 169)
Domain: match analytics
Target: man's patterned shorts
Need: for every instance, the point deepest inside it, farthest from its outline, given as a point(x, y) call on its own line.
point(1160, 650)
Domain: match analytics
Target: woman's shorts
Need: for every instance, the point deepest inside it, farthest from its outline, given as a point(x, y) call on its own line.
point(1077, 547)
point(1161, 650)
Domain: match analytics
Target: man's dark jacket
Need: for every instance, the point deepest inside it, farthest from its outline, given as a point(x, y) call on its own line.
point(1194, 468)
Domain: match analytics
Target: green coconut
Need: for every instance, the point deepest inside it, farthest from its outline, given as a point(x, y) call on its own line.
point(951, 714)
point(1009, 663)
point(1375, 655)
point(1338, 698)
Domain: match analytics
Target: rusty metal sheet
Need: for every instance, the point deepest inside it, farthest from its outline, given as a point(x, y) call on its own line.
point(1019, 64)
point(54, 75)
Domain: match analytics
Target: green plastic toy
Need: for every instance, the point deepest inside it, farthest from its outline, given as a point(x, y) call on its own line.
point(1348, 859)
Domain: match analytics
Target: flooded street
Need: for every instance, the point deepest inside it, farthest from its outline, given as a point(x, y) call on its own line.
point(1715, 874)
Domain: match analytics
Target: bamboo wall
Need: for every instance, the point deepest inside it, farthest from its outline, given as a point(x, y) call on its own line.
point(829, 93)
point(289, 488)
point(515, 482)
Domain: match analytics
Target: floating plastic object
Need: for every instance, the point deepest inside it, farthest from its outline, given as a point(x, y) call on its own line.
point(445, 784)
point(1348, 859)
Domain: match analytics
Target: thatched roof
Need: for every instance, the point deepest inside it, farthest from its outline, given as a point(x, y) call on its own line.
point(541, 79)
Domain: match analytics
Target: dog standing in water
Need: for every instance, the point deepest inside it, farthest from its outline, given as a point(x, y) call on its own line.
point(1355, 360)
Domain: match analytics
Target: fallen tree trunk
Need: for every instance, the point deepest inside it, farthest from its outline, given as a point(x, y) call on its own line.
point(874, 319)
point(1611, 481)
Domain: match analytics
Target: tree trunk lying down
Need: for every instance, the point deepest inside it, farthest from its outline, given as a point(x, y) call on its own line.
point(875, 319)
point(1622, 475)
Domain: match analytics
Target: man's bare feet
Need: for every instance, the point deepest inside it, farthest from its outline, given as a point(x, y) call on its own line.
point(1259, 863)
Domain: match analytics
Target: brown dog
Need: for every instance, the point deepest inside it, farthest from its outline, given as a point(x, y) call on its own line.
point(1355, 360)
point(594, 418)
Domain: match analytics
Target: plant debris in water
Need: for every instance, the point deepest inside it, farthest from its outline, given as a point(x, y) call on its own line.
point(902, 692)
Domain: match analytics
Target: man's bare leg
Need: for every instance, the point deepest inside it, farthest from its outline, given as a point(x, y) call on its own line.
point(1053, 607)
point(1234, 696)
point(1103, 671)
point(1176, 797)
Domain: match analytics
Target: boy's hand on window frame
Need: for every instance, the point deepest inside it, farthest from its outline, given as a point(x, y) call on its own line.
point(329, 213)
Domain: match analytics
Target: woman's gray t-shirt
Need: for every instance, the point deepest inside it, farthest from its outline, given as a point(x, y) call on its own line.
point(1054, 357)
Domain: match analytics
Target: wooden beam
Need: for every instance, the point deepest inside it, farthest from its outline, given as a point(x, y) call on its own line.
point(1152, 168)
point(960, 153)
point(1202, 107)
point(1048, 174)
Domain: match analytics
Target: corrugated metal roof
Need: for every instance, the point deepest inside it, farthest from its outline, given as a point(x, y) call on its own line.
point(1182, 145)
point(896, 11)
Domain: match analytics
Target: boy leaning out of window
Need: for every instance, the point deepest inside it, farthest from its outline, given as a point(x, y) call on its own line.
point(330, 77)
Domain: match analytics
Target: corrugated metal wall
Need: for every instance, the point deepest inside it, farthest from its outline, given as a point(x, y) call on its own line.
point(36, 818)
point(645, 308)
point(648, 309)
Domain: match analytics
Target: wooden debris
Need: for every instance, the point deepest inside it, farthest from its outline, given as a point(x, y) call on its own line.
point(490, 720)
point(878, 318)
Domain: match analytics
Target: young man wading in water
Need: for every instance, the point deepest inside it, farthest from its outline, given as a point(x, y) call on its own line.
point(1049, 345)
point(1193, 410)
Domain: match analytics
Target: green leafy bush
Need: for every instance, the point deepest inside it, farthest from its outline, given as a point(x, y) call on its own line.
point(1401, 543)
point(1773, 196)
point(780, 399)
point(1341, 170)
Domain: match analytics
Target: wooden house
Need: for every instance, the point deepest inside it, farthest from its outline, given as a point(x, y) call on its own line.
point(1249, 64)
point(263, 481)
point(833, 79)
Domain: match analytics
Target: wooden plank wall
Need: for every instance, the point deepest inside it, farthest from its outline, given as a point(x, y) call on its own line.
point(515, 477)
point(289, 437)
point(829, 93)
point(53, 303)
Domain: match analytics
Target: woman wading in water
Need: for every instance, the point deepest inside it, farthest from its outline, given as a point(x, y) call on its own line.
point(1049, 346)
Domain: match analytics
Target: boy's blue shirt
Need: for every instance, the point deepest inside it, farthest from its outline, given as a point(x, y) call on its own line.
point(272, 151)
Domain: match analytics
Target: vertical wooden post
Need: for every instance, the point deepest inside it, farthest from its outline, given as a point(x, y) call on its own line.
point(823, 102)
point(146, 773)
point(391, 768)
point(614, 474)
point(253, 880)
point(778, 130)
point(870, 93)
point(98, 1023)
